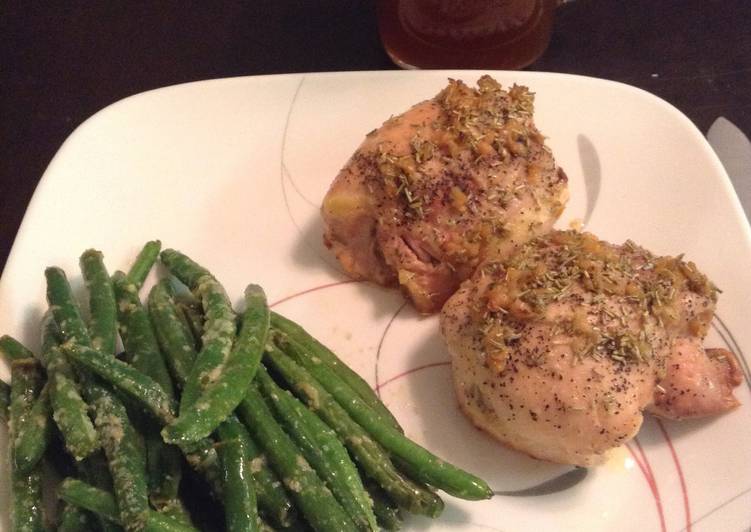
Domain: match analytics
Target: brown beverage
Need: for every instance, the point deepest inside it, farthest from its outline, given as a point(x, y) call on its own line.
point(497, 34)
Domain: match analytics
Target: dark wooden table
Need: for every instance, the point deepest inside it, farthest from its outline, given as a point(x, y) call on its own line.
point(60, 62)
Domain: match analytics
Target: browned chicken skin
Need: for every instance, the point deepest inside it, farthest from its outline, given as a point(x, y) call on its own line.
point(558, 350)
point(456, 180)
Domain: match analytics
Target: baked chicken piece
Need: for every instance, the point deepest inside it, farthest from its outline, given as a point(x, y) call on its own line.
point(455, 180)
point(559, 350)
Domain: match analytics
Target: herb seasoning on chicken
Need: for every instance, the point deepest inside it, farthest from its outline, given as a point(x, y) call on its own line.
point(557, 351)
point(456, 180)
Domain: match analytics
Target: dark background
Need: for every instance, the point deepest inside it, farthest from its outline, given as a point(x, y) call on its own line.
point(60, 62)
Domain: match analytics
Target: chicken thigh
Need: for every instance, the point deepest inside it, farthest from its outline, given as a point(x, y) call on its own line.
point(455, 180)
point(557, 351)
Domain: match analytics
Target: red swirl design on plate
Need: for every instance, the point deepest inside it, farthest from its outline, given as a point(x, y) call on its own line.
point(679, 470)
point(643, 462)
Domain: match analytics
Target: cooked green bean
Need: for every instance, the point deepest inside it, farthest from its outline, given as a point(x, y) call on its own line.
point(125, 454)
point(64, 308)
point(322, 511)
point(4, 400)
point(224, 387)
point(70, 411)
point(370, 456)
point(387, 512)
point(95, 470)
point(33, 433)
point(321, 447)
point(139, 387)
point(273, 501)
point(12, 349)
point(29, 410)
point(184, 268)
point(219, 329)
point(296, 333)
point(103, 504)
point(26, 488)
point(159, 522)
point(240, 506)
point(172, 332)
point(144, 262)
point(202, 457)
point(137, 334)
point(76, 519)
point(423, 465)
point(101, 301)
point(163, 470)
point(83, 495)
point(26, 513)
point(193, 318)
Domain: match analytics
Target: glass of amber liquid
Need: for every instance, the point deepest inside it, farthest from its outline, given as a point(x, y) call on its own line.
point(482, 34)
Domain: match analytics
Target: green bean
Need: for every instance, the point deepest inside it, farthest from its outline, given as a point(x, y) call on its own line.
point(321, 447)
point(76, 519)
point(26, 488)
point(224, 387)
point(163, 471)
point(12, 349)
point(387, 512)
point(30, 414)
point(202, 457)
point(173, 334)
point(95, 500)
point(240, 506)
point(64, 308)
point(103, 504)
point(273, 500)
point(101, 301)
point(70, 412)
point(219, 328)
point(137, 334)
point(164, 468)
point(296, 333)
point(175, 510)
point(26, 513)
point(33, 434)
point(144, 262)
point(125, 455)
point(4, 400)
point(184, 268)
point(193, 318)
point(96, 471)
point(139, 387)
point(159, 522)
point(423, 465)
point(322, 511)
point(370, 456)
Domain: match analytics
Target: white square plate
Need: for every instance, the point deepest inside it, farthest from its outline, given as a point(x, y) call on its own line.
point(233, 172)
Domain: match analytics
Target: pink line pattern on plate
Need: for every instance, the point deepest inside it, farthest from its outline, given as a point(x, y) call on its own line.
point(380, 345)
point(309, 290)
point(380, 385)
point(643, 462)
point(679, 470)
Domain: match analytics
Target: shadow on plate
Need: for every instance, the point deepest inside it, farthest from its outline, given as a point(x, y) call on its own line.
point(592, 172)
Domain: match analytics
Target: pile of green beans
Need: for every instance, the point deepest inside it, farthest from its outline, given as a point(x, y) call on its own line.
point(284, 435)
